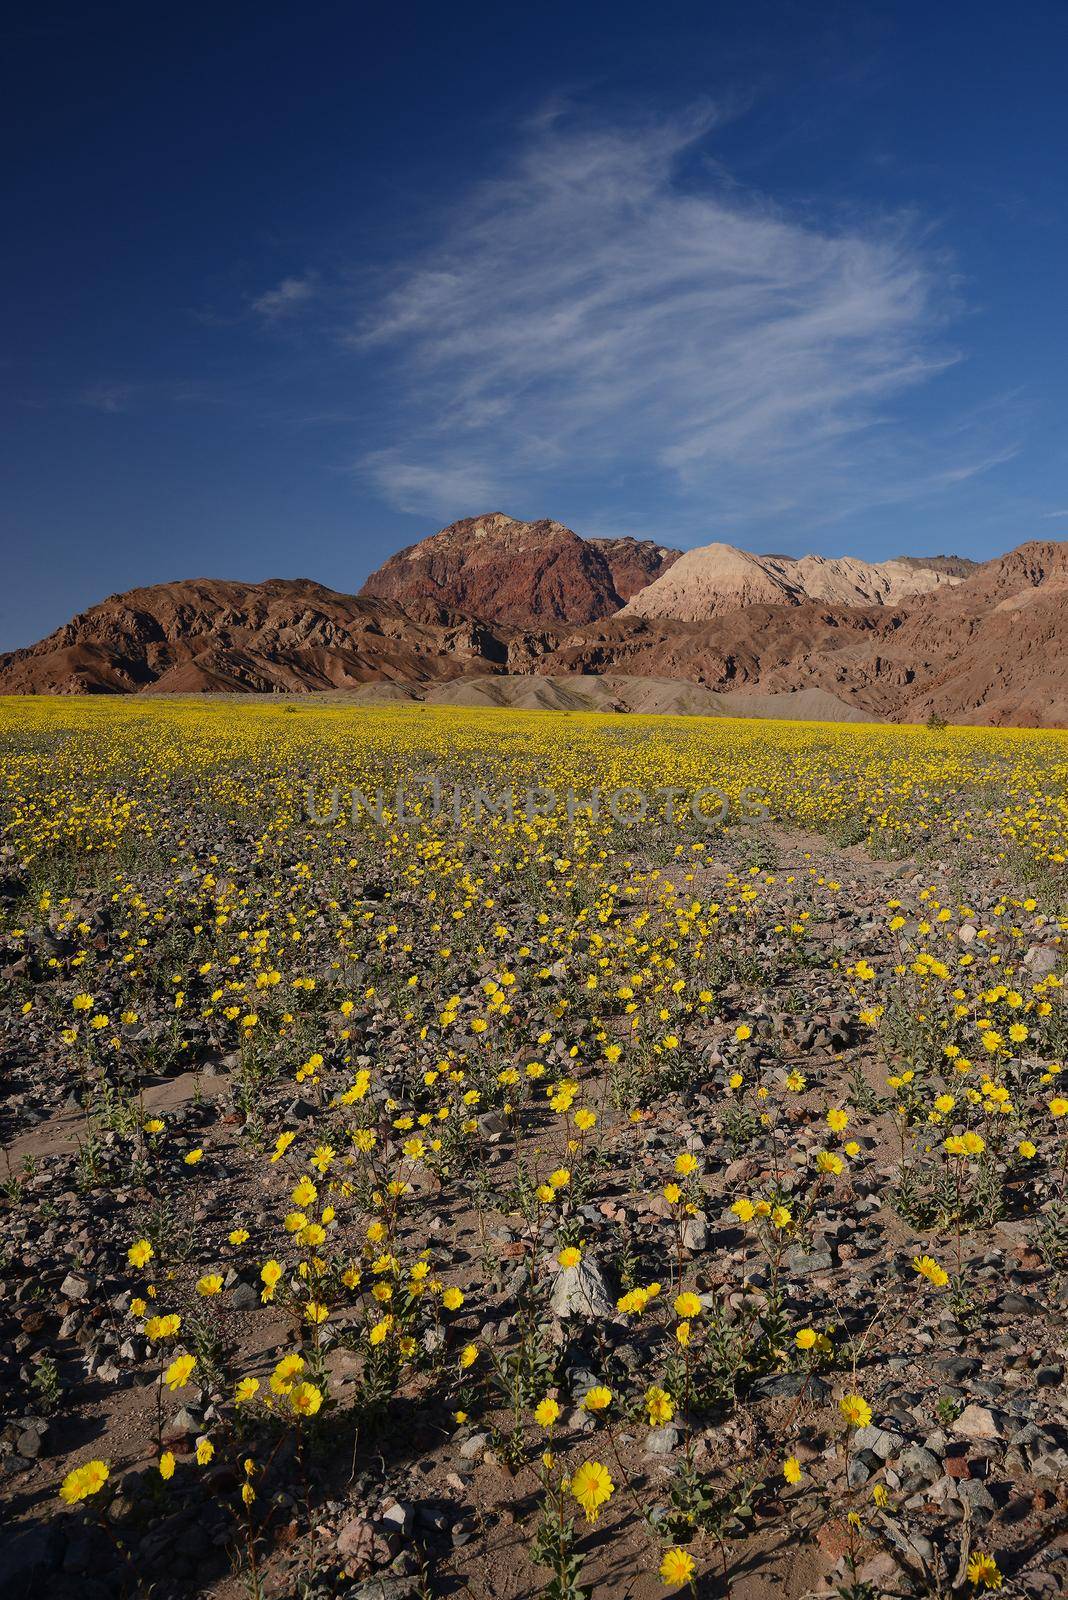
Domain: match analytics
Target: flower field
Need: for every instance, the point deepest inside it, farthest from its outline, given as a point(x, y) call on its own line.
point(530, 1153)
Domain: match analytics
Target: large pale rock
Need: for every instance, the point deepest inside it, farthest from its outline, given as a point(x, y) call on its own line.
point(582, 1292)
point(977, 1422)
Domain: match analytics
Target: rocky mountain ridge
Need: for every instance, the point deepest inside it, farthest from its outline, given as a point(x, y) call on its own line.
point(987, 643)
point(717, 578)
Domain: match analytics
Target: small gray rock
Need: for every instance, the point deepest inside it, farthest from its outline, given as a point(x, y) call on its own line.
point(695, 1232)
point(802, 1263)
point(880, 1441)
point(1041, 960)
point(919, 1465)
point(388, 1588)
point(28, 1443)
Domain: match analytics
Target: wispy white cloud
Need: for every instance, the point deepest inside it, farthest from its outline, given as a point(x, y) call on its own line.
point(974, 467)
point(1048, 514)
point(287, 297)
point(107, 397)
point(433, 487)
point(588, 316)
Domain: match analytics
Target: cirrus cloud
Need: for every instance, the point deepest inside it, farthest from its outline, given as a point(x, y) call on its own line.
point(287, 297)
point(588, 316)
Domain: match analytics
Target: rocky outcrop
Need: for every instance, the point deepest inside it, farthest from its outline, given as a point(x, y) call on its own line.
point(519, 572)
point(718, 578)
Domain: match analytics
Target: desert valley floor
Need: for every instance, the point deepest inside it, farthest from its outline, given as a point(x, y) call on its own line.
point(535, 1182)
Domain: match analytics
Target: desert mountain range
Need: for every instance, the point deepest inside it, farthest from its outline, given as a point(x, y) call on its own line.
point(493, 598)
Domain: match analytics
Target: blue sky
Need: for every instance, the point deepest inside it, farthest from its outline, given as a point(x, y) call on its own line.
point(289, 287)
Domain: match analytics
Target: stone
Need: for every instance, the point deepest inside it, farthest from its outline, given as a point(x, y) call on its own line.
point(978, 1496)
point(881, 1571)
point(802, 1263)
point(182, 1425)
point(580, 1380)
point(300, 1109)
point(1041, 960)
point(388, 1588)
point(356, 1542)
point(1020, 1305)
point(1050, 1462)
point(434, 1519)
point(582, 1291)
point(695, 1232)
point(880, 1441)
point(788, 1385)
point(919, 1465)
point(661, 1441)
point(398, 1518)
point(978, 1422)
point(29, 1442)
point(956, 1367)
point(1040, 1585)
